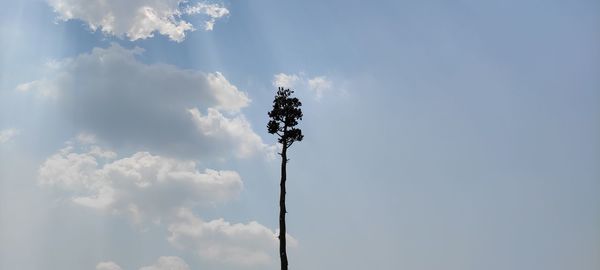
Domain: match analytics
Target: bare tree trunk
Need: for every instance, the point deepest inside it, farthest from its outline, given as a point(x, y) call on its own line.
point(282, 211)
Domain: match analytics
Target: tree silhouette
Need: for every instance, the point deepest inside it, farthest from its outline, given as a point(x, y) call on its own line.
point(284, 118)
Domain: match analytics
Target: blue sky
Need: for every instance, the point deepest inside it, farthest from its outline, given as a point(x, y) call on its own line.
point(438, 135)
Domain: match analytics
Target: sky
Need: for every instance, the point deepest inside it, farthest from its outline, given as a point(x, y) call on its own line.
point(451, 135)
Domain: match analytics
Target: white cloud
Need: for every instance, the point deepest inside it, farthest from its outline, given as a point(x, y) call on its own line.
point(213, 11)
point(143, 186)
point(319, 85)
point(218, 240)
point(150, 188)
point(236, 130)
point(108, 266)
point(129, 104)
point(227, 96)
point(168, 263)
point(8, 134)
point(138, 19)
point(286, 81)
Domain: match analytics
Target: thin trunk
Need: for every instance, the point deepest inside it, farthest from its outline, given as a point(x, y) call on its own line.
point(282, 211)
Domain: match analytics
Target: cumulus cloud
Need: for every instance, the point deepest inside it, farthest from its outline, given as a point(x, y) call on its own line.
point(218, 240)
point(163, 263)
point(8, 134)
point(151, 188)
point(213, 11)
point(139, 19)
point(236, 130)
point(127, 103)
point(318, 85)
point(143, 186)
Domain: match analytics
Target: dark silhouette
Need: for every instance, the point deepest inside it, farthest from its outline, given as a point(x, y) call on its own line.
point(284, 118)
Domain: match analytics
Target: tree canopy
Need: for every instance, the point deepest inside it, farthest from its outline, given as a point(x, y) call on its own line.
point(284, 117)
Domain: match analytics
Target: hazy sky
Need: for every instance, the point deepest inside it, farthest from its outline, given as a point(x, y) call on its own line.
point(456, 135)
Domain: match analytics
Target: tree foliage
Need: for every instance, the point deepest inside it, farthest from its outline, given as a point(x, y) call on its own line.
point(285, 116)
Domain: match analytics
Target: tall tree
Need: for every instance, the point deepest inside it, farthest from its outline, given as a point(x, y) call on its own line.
point(284, 118)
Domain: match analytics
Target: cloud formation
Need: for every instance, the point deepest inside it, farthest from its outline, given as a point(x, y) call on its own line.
point(139, 19)
point(163, 191)
point(143, 186)
point(227, 131)
point(213, 11)
point(127, 103)
point(218, 240)
point(8, 134)
point(153, 113)
point(318, 85)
